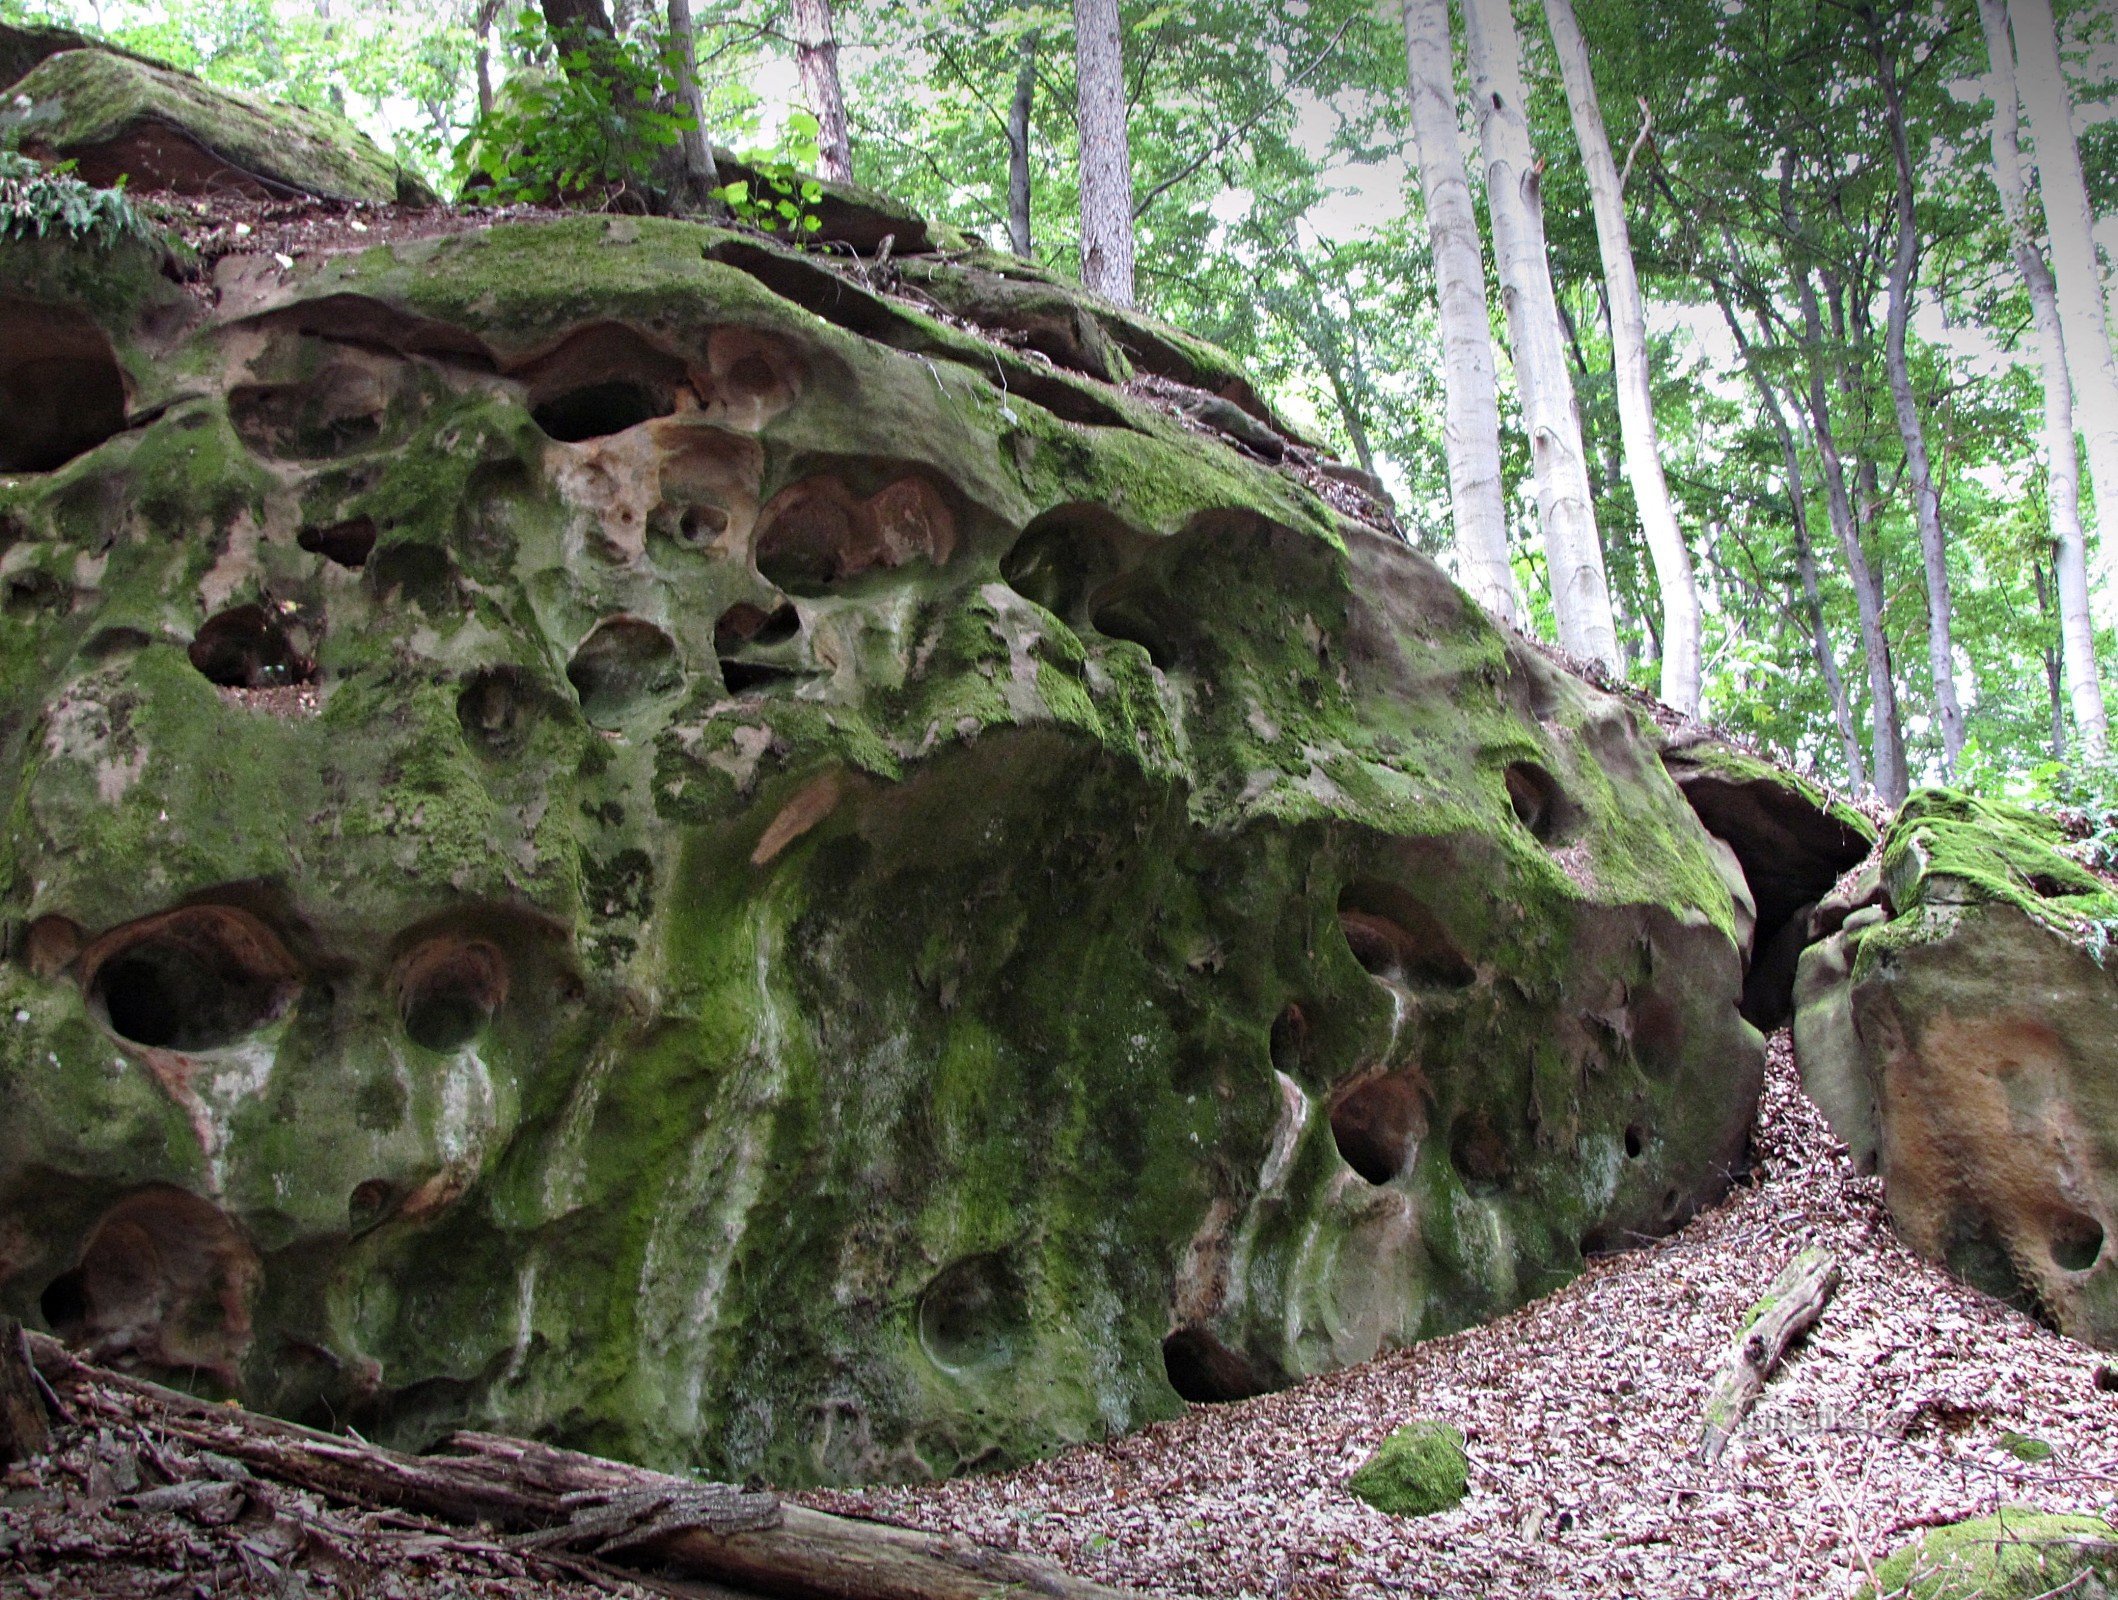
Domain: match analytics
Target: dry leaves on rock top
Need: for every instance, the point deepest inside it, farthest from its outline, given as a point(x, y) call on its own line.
point(1582, 1412)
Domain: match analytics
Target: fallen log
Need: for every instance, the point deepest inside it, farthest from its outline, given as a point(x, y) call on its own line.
point(1789, 1309)
point(547, 1499)
point(25, 1431)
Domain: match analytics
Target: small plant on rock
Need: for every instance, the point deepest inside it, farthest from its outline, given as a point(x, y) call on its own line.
point(39, 202)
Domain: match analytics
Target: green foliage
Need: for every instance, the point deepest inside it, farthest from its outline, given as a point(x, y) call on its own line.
point(780, 200)
point(38, 202)
point(588, 127)
point(1419, 1470)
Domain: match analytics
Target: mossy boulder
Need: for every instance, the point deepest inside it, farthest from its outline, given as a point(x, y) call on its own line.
point(589, 850)
point(1418, 1470)
point(1958, 1035)
point(2018, 1554)
point(121, 119)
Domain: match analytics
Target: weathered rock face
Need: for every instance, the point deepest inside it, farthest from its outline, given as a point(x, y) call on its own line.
point(1958, 1030)
point(117, 117)
point(590, 850)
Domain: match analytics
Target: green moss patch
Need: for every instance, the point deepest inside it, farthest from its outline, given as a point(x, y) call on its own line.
point(2012, 1556)
point(1419, 1470)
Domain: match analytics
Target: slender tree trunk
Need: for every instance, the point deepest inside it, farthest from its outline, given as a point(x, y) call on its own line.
point(1106, 152)
point(2043, 87)
point(1580, 590)
point(1804, 550)
point(1471, 417)
point(482, 30)
point(702, 177)
point(816, 58)
point(2062, 462)
point(2054, 675)
point(1680, 631)
point(1019, 148)
point(577, 21)
point(1926, 499)
point(1887, 739)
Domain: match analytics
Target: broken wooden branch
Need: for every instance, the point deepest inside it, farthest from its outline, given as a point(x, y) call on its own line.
point(25, 1430)
point(552, 1499)
point(1790, 1308)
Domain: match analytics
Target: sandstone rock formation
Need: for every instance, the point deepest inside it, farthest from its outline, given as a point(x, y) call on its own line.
point(117, 117)
point(612, 831)
point(1956, 1026)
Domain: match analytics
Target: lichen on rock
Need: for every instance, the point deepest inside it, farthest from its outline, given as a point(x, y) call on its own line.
point(670, 873)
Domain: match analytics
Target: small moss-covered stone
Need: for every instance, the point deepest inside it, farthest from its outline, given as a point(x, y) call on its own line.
point(2012, 1556)
point(2025, 1447)
point(1418, 1470)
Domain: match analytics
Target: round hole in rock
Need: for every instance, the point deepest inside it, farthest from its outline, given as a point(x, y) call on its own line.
point(448, 990)
point(1671, 1202)
point(749, 677)
point(496, 708)
point(1134, 619)
point(2077, 1240)
point(414, 571)
point(597, 410)
point(971, 1313)
point(192, 979)
point(1396, 938)
point(1635, 1142)
point(1480, 1152)
point(702, 524)
point(165, 1280)
point(1377, 1125)
point(744, 623)
point(365, 1206)
point(1534, 795)
point(245, 647)
point(1289, 1039)
point(623, 666)
point(62, 392)
point(347, 544)
point(1205, 1371)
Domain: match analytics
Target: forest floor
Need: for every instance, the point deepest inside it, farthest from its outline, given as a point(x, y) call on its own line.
point(1582, 1414)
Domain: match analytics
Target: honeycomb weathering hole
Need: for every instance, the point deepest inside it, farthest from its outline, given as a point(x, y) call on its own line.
point(1538, 804)
point(601, 380)
point(347, 544)
point(1289, 1039)
point(62, 392)
point(625, 664)
point(496, 708)
point(1480, 1152)
point(970, 1313)
point(1397, 939)
point(1377, 1125)
point(746, 624)
point(1205, 1371)
point(596, 410)
point(818, 533)
point(448, 990)
point(245, 647)
point(165, 1279)
point(191, 979)
point(2077, 1241)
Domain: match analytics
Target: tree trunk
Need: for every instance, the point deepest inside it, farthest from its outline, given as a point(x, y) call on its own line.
point(1804, 549)
point(576, 22)
point(1019, 148)
point(25, 1430)
point(816, 57)
point(1887, 739)
point(1471, 429)
point(1106, 152)
point(2054, 676)
point(1926, 499)
point(702, 177)
point(2079, 284)
point(482, 30)
point(1787, 1311)
point(1580, 590)
point(1680, 631)
point(2062, 462)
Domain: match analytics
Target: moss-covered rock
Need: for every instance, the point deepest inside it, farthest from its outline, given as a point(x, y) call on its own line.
point(119, 118)
point(593, 851)
point(1418, 1470)
point(1958, 1036)
point(2016, 1555)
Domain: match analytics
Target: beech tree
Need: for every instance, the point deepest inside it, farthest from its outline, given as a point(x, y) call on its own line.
point(2062, 461)
point(1581, 600)
point(1477, 500)
point(816, 58)
point(1635, 395)
point(701, 175)
point(1106, 152)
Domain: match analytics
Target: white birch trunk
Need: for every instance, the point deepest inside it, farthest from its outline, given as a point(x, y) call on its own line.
point(2042, 84)
point(1106, 152)
point(1580, 591)
point(816, 56)
point(1636, 406)
point(2077, 636)
point(1471, 429)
